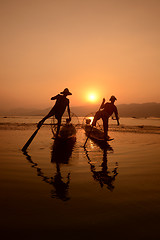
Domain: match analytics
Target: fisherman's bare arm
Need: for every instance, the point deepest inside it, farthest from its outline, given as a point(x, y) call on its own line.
point(116, 115)
point(55, 97)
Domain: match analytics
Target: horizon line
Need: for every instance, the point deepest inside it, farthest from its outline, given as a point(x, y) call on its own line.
point(86, 105)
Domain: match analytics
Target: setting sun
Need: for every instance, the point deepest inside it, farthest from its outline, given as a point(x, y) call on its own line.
point(92, 97)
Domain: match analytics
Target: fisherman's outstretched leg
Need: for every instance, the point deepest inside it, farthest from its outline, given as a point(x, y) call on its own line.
point(96, 118)
point(51, 113)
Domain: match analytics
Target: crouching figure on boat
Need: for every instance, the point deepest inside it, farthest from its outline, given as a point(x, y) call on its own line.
point(106, 110)
point(59, 108)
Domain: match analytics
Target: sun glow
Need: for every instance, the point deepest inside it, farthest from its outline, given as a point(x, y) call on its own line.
point(92, 97)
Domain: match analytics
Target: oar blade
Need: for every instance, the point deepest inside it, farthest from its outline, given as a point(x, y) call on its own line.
point(29, 140)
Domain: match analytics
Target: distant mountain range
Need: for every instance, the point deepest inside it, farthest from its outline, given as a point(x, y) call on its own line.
point(125, 110)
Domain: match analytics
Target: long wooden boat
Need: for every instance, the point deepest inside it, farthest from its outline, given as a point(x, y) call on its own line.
point(96, 135)
point(64, 144)
point(67, 131)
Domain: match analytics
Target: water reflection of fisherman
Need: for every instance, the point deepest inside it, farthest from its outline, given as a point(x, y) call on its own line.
point(58, 156)
point(61, 157)
point(61, 187)
point(103, 176)
point(59, 108)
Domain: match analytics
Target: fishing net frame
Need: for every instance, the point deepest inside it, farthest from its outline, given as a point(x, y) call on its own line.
point(89, 116)
point(54, 122)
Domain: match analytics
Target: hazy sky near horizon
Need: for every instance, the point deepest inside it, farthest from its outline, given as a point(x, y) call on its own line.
point(90, 46)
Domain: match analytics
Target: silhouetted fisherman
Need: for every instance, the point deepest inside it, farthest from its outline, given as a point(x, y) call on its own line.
point(58, 109)
point(107, 110)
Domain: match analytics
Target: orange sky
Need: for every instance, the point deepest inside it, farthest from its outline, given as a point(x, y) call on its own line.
point(90, 46)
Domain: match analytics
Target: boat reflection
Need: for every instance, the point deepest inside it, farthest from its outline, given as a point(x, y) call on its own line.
point(60, 153)
point(62, 150)
point(103, 176)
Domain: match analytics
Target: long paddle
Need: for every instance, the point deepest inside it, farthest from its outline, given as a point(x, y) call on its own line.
point(92, 127)
point(30, 140)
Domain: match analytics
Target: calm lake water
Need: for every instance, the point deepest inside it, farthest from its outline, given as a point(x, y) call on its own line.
point(123, 121)
point(68, 192)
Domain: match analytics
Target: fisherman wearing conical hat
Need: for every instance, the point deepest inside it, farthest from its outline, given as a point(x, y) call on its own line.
point(106, 110)
point(59, 108)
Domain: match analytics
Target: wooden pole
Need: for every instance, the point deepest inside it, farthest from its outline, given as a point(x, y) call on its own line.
point(30, 140)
